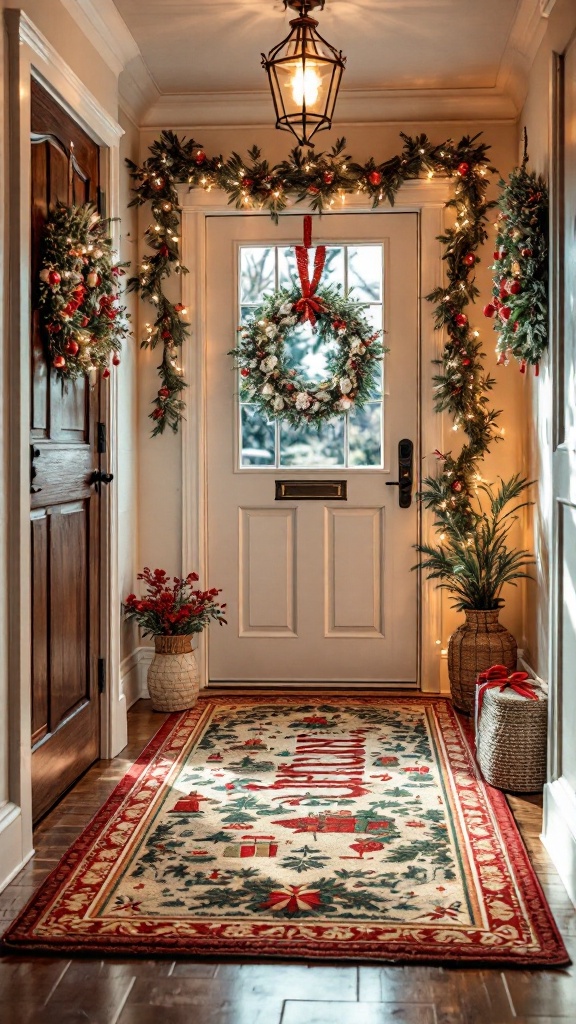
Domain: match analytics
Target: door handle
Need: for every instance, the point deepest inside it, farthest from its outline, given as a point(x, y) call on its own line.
point(405, 473)
point(98, 478)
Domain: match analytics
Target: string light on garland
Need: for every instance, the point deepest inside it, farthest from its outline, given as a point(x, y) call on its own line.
point(461, 386)
point(519, 306)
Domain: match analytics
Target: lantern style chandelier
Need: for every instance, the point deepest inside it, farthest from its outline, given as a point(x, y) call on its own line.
point(304, 72)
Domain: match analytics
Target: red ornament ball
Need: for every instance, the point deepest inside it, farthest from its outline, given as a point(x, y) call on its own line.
point(469, 259)
point(489, 309)
point(247, 182)
point(461, 319)
point(328, 177)
point(164, 393)
point(105, 372)
point(71, 347)
point(244, 372)
point(526, 253)
point(313, 190)
point(59, 362)
point(179, 307)
point(200, 157)
point(463, 168)
point(514, 287)
point(158, 414)
point(289, 386)
point(466, 361)
point(504, 312)
point(166, 335)
point(457, 486)
point(116, 359)
point(375, 178)
point(54, 277)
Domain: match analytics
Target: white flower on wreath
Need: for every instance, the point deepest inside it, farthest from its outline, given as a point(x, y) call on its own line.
point(344, 404)
point(316, 406)
point(345, 385)
point(303, 401)
point(322, 396)
point(253, 364)
point(285, 309)
point(271, 331)
point(268, 389)
point(268, 364)
point(288, 321)
point(278, 403)
point(356, 346)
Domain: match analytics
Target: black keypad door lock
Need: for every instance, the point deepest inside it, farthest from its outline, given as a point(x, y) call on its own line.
point(405, 473)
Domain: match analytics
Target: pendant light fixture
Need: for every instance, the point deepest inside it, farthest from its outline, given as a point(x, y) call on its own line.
point(304, 72)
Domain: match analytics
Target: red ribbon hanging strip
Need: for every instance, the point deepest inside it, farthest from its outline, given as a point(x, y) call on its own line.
point(309, 306)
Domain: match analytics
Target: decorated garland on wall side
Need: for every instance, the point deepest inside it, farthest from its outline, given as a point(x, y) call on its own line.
point(321, 179)
point(83, 318)
point(519, 306)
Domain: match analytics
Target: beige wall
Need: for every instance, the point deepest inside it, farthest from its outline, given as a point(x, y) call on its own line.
point(536, 117)
point(160, 458)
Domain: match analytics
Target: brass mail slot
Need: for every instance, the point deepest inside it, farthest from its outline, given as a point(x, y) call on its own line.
point(311, 490)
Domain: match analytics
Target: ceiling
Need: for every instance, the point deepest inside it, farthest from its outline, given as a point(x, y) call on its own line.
point(185, 62)
point(198, 46)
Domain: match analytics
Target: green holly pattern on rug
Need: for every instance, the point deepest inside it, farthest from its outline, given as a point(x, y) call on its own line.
point(310, 810)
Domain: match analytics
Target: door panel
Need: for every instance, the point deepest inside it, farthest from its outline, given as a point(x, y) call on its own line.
point(64, 506)
point(317, 590)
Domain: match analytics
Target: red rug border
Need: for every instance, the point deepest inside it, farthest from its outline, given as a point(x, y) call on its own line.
point(13, 941)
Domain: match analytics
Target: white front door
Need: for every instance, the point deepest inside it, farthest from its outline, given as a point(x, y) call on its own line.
point(317, 590)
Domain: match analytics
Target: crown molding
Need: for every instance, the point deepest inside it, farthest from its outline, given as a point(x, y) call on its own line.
point(103, 25)
point(251, 109)
point(525, 38)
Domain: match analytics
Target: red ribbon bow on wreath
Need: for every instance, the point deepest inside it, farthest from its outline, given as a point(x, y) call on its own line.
point(309, 306)
point(499, 675)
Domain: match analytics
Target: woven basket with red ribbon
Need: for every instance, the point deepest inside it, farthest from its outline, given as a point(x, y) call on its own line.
point(511, 728)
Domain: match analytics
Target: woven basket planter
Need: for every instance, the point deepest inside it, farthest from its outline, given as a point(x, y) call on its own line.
point(481, 641)
point(511, 740)
point(173, 678)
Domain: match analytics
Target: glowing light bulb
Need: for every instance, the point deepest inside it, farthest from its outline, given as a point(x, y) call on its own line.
point(305, 85)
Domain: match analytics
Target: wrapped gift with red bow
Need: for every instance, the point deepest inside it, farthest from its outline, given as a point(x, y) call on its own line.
point(511, 726)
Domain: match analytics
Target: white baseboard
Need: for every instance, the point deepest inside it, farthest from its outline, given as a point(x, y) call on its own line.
point(559, 831)
point(133, 673)
point(14, 852)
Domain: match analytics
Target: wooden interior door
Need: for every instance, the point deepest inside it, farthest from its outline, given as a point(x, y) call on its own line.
point(64, 507)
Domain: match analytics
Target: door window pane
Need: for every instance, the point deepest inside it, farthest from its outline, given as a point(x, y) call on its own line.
point(258, 438)
point(365, 435)
point(257, 272)
point(353, 440)
point(308, 447)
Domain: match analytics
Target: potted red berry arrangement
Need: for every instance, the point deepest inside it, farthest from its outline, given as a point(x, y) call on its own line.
point(172, 610)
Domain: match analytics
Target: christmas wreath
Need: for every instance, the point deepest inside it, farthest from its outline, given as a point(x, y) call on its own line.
point(354, 349)
point(519, 306)
point(83, 318)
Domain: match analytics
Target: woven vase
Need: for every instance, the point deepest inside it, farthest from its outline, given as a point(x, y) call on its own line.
point(480, 642)
point(173, 678)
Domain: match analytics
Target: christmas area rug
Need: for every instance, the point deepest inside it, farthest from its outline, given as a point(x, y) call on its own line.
point(350, 828)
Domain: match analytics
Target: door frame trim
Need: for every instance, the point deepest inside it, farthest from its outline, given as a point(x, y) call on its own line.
point(427, 198)
point(31, 55)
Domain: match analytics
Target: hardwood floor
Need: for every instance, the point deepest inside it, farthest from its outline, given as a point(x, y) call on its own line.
point(39, 990)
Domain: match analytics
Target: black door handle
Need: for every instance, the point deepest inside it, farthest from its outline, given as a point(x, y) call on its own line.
point(98, 478)
point(405, 473)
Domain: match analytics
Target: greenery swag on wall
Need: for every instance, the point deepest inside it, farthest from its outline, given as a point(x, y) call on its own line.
point(461, 384)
